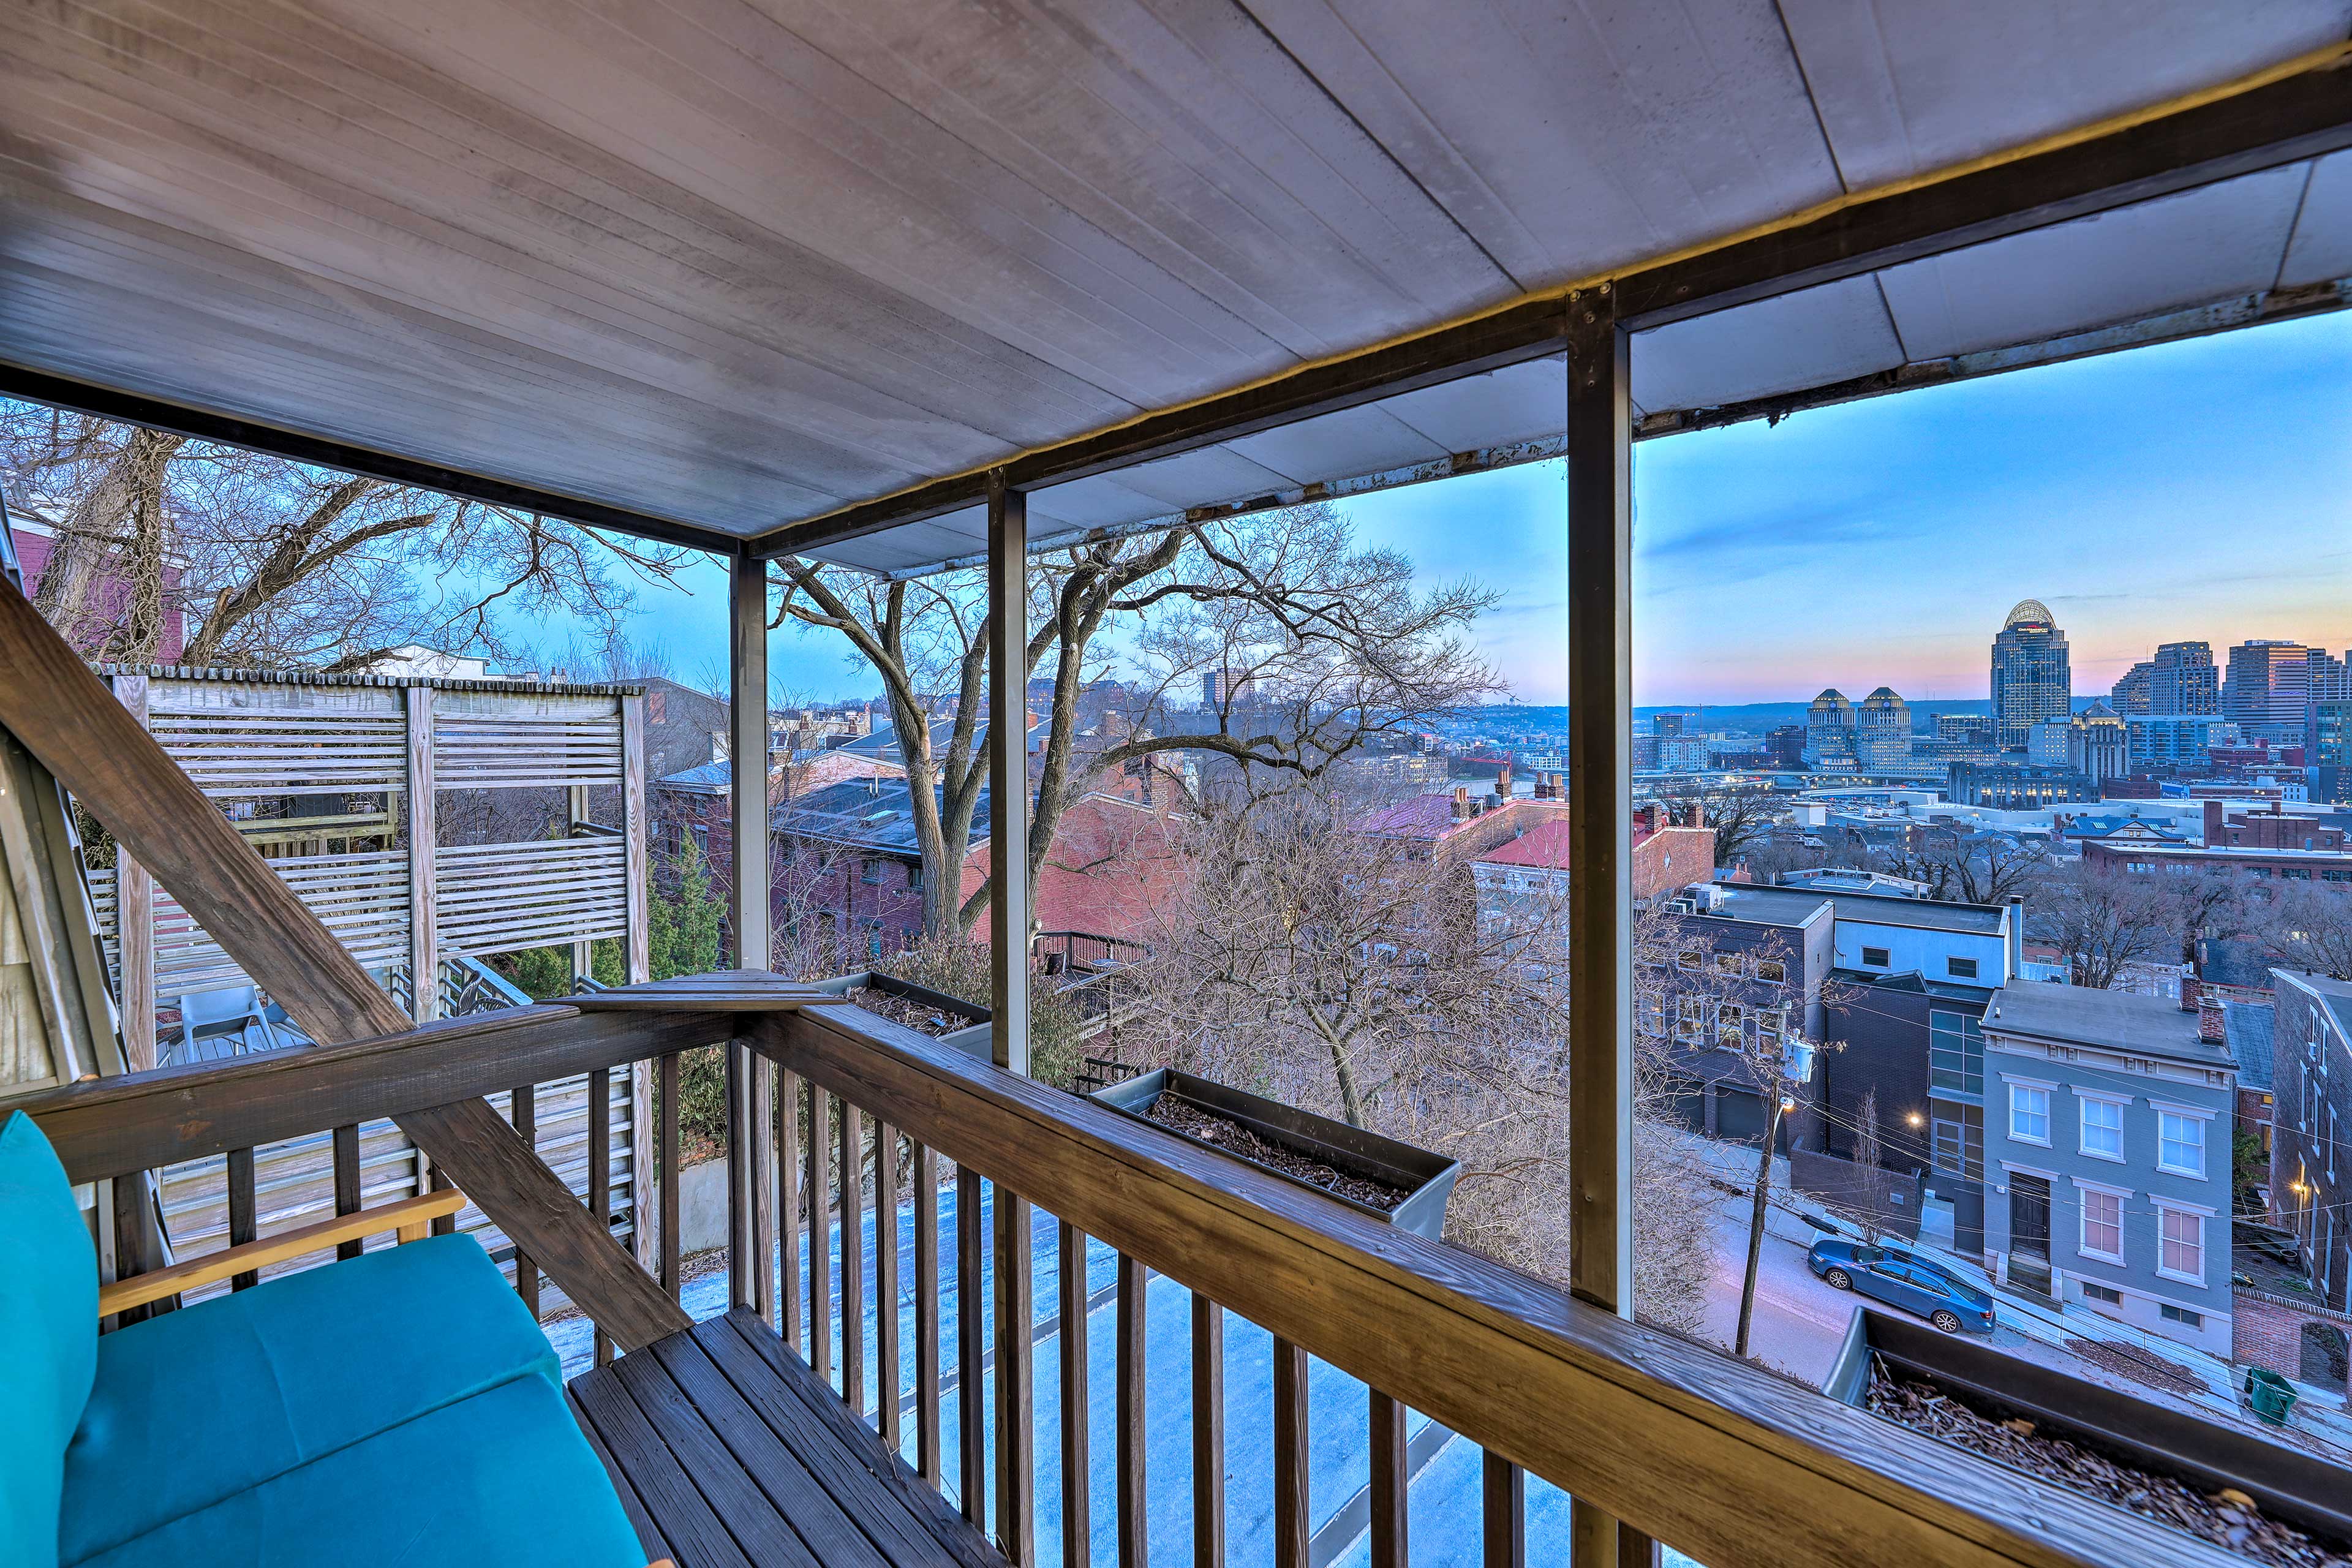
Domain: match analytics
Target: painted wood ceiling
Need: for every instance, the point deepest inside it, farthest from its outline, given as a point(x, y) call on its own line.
point(736, 264)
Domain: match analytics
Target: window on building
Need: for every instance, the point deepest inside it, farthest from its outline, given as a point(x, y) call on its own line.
point(2102, 1225)
point(1728, 1018)
point(869, 870)
point(1654, 1016)
point(2181, 1315)
point(873, 938)
point(702, 839)
point(1690, 960)
point(2184, 1245)
point(2102, 1129)
point(915, 877)
point(2181, 1143)
point(1875, 958)
point(1690, 1018)
point(1954, 1052)
point(2101, 1294)
point(2028, 1114)
point(1773, 970)
point(1728, 963)
point(1771, 1023)
point(1961, 968)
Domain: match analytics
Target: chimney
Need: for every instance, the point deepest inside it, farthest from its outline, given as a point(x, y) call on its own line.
point(1694, 814)
point(1461, 803)
point(2192, 994)
point(2016, 936)
point(2212, 824)
point(1503, 782)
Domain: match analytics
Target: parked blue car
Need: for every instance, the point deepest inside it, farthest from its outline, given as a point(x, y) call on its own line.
point(1901, 1279)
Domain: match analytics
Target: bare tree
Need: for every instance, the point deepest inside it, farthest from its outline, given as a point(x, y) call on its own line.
point(1972, 868)
point(1332, 644)
point(1742, 814)
point(2311, 928)
point(1868, 1208)
point(2102, 920)
point(282, 564)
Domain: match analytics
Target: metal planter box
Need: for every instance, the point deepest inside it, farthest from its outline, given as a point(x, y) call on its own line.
point(976, 1039)
point(2290, 1484)
point(1427, 1179)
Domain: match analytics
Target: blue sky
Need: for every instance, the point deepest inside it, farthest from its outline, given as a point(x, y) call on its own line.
point(2193, 489)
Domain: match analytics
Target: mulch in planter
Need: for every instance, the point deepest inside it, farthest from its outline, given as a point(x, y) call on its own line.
point(915, 1015)
point(2228, 1518)
point(1184, 1116)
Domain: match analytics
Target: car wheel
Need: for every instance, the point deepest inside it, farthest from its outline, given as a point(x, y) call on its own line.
point(1840, 1278)
point(1946, 1320)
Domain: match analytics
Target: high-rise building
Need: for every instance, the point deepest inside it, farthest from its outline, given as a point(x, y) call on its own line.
point(2098, 745)
point(1830, 733)
point(2327, 750)
point(2175, 741)
point(2045, 744)
point(1962, 727)
point(2331, 678)
point(2267, 692)
point(2182, 679)
point(2031, 678)
point(1784, 748)
point(1220, 687)
point(2131, 694)
point(1882, 735)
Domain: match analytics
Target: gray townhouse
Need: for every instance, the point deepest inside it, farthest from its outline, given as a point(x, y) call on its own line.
point(2107, 1151)
point(2311, 1170)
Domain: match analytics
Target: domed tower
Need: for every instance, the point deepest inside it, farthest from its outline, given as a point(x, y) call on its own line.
point(2031, 679)
point(1882, 731)
point(1828, 732)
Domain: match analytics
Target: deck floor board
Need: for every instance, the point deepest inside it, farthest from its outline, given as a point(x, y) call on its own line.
point(727, 1450)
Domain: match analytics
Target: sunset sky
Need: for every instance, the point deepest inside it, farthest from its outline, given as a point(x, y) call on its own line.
point(2193, 489)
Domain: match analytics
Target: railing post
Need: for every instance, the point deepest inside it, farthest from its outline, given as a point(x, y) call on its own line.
point(423, 929)
point(135, 920)
point(1008, 772)
point(1601, 692)
point(637, 966)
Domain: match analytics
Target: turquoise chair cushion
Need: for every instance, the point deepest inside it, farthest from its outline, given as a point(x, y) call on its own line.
point(49, 1337)
point(502, 1478)
point(200, 1404)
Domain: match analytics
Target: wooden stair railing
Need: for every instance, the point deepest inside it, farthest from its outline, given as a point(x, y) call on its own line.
point(62, 713)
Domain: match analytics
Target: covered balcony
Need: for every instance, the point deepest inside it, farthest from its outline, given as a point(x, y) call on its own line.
point(908, 287)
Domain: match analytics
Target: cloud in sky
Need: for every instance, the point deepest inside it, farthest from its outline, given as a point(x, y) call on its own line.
point(2192, 489)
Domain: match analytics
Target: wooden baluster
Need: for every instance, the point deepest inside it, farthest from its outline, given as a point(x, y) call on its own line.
point(1016, 1402)
point(820, 1203)
point(526, 1122)
point(972, 1316)
point(928, 1461)
point(790, 1302)
point(1078, 1530)
point(885, 1285)
point(759, 1184)
point(1208, 1433)
point(1503, 1490)
point(347, 1182)
point(1134, 1524)
point(739, 1270)
point(243, 1222)
point(1290, 1455)
point(1388, 1482)
point(665, 1086)
point(600, 1173)
point(852, 1258)
point(135, 1252)
point(442, 1225)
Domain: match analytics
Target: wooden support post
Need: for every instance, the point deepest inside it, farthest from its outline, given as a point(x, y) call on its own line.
point(135, 920)
point(739, 1174)
point(1389, 1458)
point(759, 1143)
point(1291, 1460)
point(1077, 1496)
point(1017, 1409)
point(972, 1352)
point(790, 1300)
point(929, 1463)
point(747, 721)
point(637, 968)
point(1129, 1362)
point(600, 1175)
point(1600, 817)
point(423, 924)
point(1208, 1433)
point(1008, 772)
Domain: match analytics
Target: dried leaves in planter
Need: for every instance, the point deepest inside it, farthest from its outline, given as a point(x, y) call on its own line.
point(2230, 1519)
point(1184, 1116)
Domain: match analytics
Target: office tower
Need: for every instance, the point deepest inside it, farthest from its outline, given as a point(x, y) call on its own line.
point(2097, 744)
point(1220, 687)
point(2182, 679)
point(1830, 733)
point(2031, 679)
point(2131, 694)
point(1882, 731)
point(2267, 692)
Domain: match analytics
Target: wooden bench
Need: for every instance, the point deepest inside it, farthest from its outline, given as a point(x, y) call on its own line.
point(730, 1452)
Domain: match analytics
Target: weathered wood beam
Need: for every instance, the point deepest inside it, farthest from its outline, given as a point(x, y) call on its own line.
point(2276, 119)
point(206, 425)
point(61, 712)
point(1008, 774)
point(1659, 1432)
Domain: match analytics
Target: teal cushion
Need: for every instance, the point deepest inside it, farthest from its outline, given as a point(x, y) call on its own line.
point(198, 1405)
point(49, 1337)
point(502, 1478)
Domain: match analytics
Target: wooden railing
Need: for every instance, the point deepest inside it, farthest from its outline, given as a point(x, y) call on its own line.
point(1722, 1460)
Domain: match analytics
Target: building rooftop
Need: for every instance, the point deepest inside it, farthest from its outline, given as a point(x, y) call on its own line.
point(1792, 906)
point(1544, 845)
point(2334, 995)
point(2121, 1021)
point(2247, 1029)
point(864, 813)
point(1912, 980)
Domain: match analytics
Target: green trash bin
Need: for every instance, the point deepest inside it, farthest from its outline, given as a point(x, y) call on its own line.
point(2271, 1395)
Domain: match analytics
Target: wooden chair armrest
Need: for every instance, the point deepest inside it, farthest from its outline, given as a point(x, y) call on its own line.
point(408, 1218)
